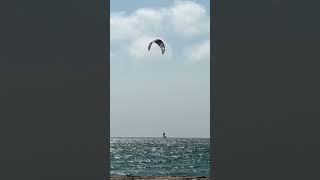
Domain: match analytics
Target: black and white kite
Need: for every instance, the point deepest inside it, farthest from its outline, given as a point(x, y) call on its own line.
point(160, 43)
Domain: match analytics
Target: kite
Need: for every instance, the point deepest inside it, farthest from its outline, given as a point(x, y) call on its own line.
point(160, 43)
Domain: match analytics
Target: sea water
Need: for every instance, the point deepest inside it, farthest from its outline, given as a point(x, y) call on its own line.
point(160, 156)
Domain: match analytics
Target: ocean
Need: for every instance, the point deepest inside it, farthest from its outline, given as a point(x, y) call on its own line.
point(160, 156)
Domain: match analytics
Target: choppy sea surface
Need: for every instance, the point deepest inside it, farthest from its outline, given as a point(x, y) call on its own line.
point(160, 156)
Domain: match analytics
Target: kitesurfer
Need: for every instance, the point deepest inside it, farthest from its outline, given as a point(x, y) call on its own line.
point(164, 135)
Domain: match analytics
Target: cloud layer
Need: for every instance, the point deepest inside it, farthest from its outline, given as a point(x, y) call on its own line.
point(183, 22)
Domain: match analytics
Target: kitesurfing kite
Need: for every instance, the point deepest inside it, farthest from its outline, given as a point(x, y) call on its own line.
point(160, 43)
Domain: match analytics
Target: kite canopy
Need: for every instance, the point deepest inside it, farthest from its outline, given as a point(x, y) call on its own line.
point(160, 43)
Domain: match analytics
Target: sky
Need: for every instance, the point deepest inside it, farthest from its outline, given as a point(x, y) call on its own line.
point(150, 92)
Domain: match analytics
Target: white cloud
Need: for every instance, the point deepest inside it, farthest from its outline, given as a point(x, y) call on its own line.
point(189, 18)
point(131, 33)
point(198, 52)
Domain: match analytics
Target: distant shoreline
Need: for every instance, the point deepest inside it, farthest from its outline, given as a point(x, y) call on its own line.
point(160, 177)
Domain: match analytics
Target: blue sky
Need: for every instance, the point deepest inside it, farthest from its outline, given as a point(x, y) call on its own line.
point(153, 93)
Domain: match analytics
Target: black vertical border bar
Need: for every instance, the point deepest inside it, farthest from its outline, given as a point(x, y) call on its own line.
point(106, 10)
point(266, 90)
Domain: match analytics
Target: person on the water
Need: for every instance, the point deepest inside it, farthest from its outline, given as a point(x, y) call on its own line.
point(164, 135)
